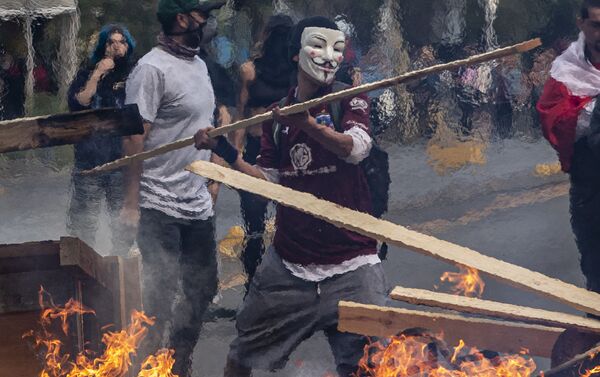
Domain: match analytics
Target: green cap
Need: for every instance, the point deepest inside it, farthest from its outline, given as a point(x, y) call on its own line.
point(170, 8)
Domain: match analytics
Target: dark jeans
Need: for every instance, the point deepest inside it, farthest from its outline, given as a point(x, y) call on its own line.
point(585, 211)
point(84, 209)
point(254, 210)
point(585, 221)
point(180, 281)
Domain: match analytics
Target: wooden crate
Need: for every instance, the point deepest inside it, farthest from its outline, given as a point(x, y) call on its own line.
point(67, 268)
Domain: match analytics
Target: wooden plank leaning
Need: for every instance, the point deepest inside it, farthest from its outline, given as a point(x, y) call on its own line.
point(494, 309)
point(68, 128)
point(500, 336)
point(394, 234)
point(304, 106)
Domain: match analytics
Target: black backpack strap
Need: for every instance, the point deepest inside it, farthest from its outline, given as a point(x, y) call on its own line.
point(335, 108)
point(277, 125)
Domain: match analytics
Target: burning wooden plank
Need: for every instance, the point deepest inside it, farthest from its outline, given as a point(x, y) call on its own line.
point(494, 309)
point(69, 128)
point(500, 336)
point(397, 235)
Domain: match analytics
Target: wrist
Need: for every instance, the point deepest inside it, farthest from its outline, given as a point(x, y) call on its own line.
point(313, 126)
point(310, 125)
point(225, 150)
point(96, 75)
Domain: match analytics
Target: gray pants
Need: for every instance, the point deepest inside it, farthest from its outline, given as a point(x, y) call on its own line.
point(176, 253)
point(281, 310)
point(84, 209)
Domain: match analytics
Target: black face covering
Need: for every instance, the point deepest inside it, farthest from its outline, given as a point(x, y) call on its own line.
point(193, 35)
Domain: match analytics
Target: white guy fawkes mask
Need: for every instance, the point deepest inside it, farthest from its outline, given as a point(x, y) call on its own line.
point(321, 53)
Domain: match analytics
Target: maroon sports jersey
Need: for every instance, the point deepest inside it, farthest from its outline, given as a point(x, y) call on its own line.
point(305, 165)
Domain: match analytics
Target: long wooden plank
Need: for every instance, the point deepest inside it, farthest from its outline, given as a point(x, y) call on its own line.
point(397, 235)
point(69, 128)
point(304, 106)
point(494, 309)
point(500, 336)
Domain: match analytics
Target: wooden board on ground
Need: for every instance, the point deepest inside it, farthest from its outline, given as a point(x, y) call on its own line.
point(68, 128)
point(400, 236)
point(494, 309)
point(500, 336)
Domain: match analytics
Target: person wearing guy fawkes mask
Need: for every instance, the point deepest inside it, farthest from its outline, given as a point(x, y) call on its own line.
point(174, 208)
point(312, 265)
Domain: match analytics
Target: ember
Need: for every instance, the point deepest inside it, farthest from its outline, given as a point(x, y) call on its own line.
point(115, 361)
point(467, 282)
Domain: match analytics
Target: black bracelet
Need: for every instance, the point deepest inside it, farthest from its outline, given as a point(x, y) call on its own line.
point(225, 150)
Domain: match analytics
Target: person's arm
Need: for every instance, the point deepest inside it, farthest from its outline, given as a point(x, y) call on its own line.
point(559, 113)
point(214, 186)
point(222, 148)
point(267, 163)
point(353, 144)
point(247, 75)
point(145, 88)
point(133, 172)
point(84, 97)
point(224, 119)
point(338, 143)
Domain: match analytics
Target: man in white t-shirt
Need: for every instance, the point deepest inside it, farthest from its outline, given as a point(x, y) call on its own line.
point(175, 97)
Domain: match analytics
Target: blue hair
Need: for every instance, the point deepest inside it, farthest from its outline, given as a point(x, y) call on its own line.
point(106, 31)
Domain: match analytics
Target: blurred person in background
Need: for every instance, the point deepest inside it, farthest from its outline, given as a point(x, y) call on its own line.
point(566, 109)
point(12, 80)
point(265, 80)
point(100, 83)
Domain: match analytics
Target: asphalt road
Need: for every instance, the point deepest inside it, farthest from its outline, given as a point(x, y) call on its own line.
point(499, 208)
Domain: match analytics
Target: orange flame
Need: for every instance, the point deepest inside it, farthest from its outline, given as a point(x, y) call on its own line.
point(119, 347)
point(590, 372)
point(159, 365)
point(413, 356)
point(53, 312)
point(467, 282)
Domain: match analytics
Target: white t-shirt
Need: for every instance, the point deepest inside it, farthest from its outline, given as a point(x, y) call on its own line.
point(176, 97)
